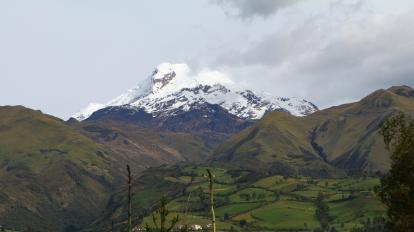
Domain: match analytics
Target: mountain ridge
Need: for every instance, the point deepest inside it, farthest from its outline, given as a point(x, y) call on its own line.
point(345, 137)
point(173, 87)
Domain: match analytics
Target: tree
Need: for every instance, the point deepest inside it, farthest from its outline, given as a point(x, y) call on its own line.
point(163, 213)
point(397, 186)
point(322, 212)
point(226, 217)
point(377, 225)
point(261, 196)
point(245, 196)
point(203, 201)
point(211, 191)
point(129, 199)
point(242, 222)
point(333, 229)
point(276, 195)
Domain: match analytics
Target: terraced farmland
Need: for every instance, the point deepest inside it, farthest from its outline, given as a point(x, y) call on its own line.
point(273, 203)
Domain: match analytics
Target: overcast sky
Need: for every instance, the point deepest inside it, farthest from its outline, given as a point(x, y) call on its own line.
point(58, 56)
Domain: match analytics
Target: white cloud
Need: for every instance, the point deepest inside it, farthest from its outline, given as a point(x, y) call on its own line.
point(341, 53)
point(208, 77)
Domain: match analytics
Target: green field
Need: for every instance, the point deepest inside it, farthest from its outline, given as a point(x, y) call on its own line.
point(273, 203)
point(285, 215)
point(252, 195)
point(236, 209)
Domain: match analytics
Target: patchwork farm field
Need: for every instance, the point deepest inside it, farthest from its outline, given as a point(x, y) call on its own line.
point(273, 203)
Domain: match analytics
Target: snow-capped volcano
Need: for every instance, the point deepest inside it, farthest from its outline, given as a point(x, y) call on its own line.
point(172, 88)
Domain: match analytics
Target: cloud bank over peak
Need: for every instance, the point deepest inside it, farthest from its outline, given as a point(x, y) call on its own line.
point(327, 51)
point(247, 9)
point(337, 55)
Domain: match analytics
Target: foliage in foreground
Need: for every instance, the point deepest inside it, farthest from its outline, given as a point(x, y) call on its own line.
point(397, 187)
point(160, 222)
point(163, 213)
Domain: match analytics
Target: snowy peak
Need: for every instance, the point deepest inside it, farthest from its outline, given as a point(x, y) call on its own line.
point(167, 76)
point(174, 88)
point(159, 83)
point(88, 111)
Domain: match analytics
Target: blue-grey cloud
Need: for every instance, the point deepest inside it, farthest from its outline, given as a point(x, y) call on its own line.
point(247, 9)
point(336, 56)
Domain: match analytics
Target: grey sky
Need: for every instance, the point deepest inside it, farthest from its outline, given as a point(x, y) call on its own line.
point(58, 56)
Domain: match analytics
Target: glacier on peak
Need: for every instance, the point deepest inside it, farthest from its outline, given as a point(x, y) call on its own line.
point(173, 88)
point(88, 110)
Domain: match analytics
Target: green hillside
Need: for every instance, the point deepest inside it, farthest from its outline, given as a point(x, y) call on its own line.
point(63, 176)
point(348, 134)
point(52, 178)
point(339, 138)
point(279, 143)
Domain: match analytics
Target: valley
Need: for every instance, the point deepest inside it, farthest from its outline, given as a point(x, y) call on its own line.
point(272, 203)
point(207, 116)
point(271, 174)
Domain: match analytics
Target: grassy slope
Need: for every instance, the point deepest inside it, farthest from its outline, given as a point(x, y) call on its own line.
point(52, 177)
point(345, 136)
point(142, 147)
point(279, 143)
point(349, 133)
point(55, 178)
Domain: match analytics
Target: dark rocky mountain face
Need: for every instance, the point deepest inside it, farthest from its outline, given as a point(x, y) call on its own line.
point(123, 114)
point(404, 90)
point(211, 122)
point(142, 147)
